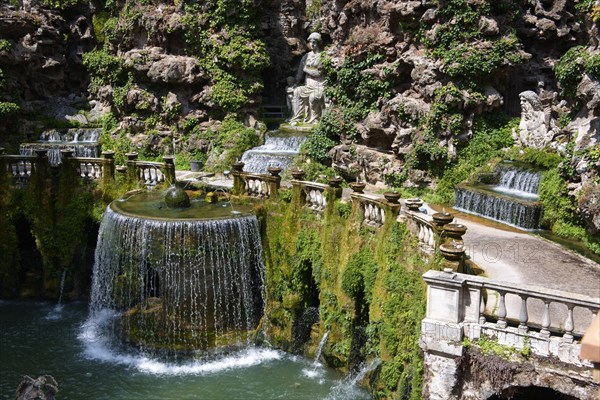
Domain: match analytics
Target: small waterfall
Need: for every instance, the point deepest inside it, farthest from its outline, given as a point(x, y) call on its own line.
point(322, 344)
point(348, 387)
point(57, 310)
point(83, 142)
point(521, 214)
point(511, 199)
point(165, 285)
point(518, 181)
point(278, 151)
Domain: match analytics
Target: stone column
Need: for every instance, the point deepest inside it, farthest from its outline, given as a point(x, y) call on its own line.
point(238, 183)
point(170, 177)
point(274, 181)
point(108, 166)
point(442, 333)
point(132, 170)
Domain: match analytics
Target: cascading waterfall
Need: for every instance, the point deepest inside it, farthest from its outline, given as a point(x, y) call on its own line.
point(518, 181)
point(170, 285)
point(278, 151)
point(83, 142)
point(511, 200)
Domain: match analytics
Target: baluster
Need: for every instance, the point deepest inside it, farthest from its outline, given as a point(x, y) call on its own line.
point(502, 311)
point(569, 324)
point(431, 241)
point(421, 232)
point(481, 307)
point(545, 332)
point(264, 189)
point(523, 316)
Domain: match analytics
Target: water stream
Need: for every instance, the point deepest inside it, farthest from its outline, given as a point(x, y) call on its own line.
point(83, 142)
point(511, 200)
point(278, 150)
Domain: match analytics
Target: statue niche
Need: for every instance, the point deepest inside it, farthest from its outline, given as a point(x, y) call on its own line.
point(308, 101)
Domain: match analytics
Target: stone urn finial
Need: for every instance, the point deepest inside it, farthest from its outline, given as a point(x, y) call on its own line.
point(238, 166)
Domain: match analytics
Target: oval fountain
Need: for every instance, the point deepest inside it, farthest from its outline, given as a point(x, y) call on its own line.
point(177, 275)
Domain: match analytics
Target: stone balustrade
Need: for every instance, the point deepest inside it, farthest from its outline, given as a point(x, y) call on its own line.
point(255, 185)
point(423, 227)
point(90, 169)
point(19, 168)
point(375, 210)
point(315, 196)
point(460, 306)
point(150, 173)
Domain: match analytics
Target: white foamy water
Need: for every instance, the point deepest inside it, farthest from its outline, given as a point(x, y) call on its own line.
point(97, 347)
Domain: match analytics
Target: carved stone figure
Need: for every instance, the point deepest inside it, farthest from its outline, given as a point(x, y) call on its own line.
point(535, 128)
point(308, 100)
point(42, 388)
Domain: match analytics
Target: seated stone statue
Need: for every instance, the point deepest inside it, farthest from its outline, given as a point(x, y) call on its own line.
point(535, 129)
point(308, 100)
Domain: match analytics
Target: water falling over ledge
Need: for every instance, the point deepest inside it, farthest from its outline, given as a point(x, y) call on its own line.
point(171, 286)
point(511, 198)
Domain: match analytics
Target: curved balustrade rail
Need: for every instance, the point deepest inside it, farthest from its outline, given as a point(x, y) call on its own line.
point(422, 226)
point(256, 185)
point(373, 208)
point(465, 301)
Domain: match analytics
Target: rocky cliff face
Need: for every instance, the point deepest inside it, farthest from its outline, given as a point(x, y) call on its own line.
point(408, 78)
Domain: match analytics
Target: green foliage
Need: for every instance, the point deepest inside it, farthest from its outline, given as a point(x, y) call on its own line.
point(5, 45)
point(379, 271)
point(466, 62)
point(343, 209)
point(540, 158)
point(356, 91)
point(571, 66)
point(313, 10)
point(490, 135)
point(102, 23)
point(233, 57)
point(318, 145)
point(233, 138)
point(104, 68)
point(469, 56)
point(7, 109)
point(60, 4)
point(358, 279)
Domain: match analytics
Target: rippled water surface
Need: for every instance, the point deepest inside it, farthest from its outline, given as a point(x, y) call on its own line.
point(42, 338)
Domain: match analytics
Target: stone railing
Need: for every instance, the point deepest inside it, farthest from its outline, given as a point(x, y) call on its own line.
point(518, 315)
point(422, 226)
point(375, 210)
point(313, 194)
point(255, 185)
point(150, 173)
point(19, 168)
point(90, 169)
